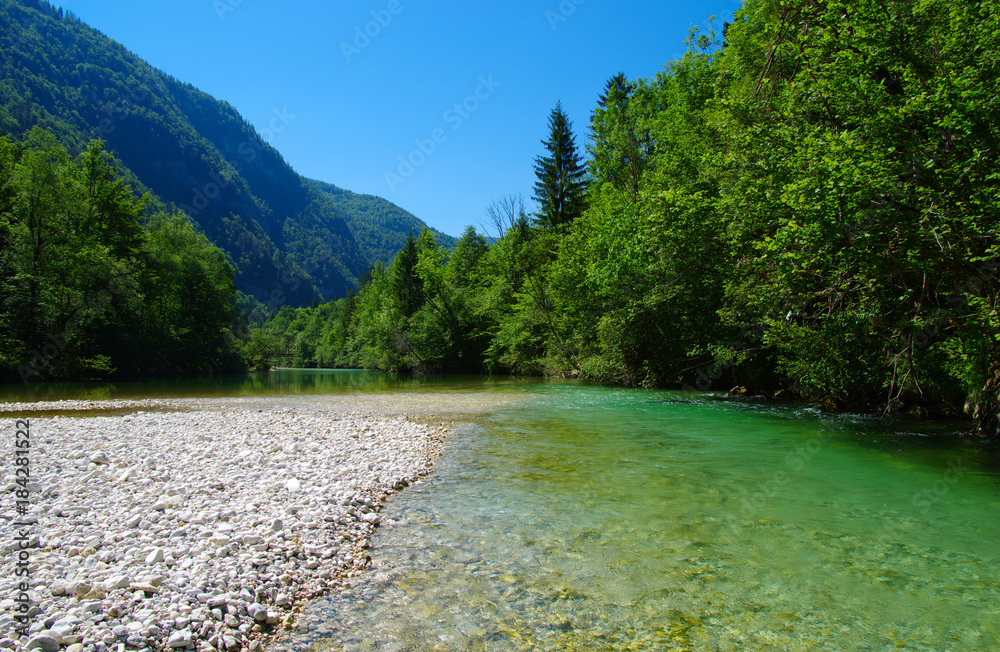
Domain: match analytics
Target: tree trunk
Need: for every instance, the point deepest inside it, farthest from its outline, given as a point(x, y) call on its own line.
point(987, 413)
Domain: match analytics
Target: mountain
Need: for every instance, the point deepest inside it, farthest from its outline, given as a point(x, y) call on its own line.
point(288, 237)
point(380, 226)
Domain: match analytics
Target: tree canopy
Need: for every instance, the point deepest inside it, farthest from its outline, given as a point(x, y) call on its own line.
point(809, 206)
point(92, 288)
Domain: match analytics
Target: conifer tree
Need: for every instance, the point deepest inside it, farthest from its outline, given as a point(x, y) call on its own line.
point(618, 153)
point(561, 186)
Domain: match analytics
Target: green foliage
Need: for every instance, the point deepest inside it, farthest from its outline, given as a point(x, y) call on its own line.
point(868, 207)
point(290, 240)
point(561, 187)
point(812, 206)
point(87, 289)
point(379, 226)
point(190, 298)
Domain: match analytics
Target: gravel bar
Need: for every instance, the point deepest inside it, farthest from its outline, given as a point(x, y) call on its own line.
point(202, 524)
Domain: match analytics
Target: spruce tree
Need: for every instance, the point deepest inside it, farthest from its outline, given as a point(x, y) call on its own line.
point(407, 288)
point(561, 186)
point(619, 153)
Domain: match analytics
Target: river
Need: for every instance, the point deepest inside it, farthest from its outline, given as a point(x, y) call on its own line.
point(592, 518)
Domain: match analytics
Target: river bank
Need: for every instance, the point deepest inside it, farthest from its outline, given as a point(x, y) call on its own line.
point(204, 523)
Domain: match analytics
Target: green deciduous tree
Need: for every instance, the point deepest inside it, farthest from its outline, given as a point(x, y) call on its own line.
point(87, 290)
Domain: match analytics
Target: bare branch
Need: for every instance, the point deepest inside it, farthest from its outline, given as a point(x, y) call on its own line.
point(502, 214)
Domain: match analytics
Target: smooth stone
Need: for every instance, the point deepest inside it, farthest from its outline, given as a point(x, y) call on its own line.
point(116, 582)
point(182, 638)
point(43, 643)
point(153, 580)
point(76, 647)
point(277, 525)
point(62, 629)
point(257, 612)
point(155, 557)
point(99, 458)
point(97, 593)
point(293, 485)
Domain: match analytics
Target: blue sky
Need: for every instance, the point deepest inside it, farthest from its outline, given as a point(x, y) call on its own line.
point(461, 89)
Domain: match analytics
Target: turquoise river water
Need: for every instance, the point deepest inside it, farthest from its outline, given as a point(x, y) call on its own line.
point(594, 518)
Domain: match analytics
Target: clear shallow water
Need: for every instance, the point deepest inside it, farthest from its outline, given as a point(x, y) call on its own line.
point(603, 519)
point(589, 518)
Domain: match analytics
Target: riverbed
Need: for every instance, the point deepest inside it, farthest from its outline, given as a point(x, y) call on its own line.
point(594, 518)
point(562, 516)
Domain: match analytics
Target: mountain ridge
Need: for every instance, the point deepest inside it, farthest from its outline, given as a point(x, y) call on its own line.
point(283, 233)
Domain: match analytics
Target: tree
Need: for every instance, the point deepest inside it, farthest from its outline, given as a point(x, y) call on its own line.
point(190, 298)
point(504, 214)
point(406, 286)
point(618, 153)
point(561, 186)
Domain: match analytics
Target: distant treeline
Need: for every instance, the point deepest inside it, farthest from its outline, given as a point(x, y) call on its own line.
point(810, 204)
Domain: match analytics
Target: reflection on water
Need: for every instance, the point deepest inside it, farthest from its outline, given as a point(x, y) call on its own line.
point(278, 382)
point(604, 519)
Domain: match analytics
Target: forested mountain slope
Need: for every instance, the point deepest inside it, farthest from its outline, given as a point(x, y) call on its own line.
point(196, 154)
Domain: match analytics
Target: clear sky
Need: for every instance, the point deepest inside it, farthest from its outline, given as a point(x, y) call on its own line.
point(462, 89)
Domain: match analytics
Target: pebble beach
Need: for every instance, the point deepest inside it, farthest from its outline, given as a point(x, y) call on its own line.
point(202, 524)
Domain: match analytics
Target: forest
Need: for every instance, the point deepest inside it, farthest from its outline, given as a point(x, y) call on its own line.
point(285, 236)
point(92, 285)
point(804, 204)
